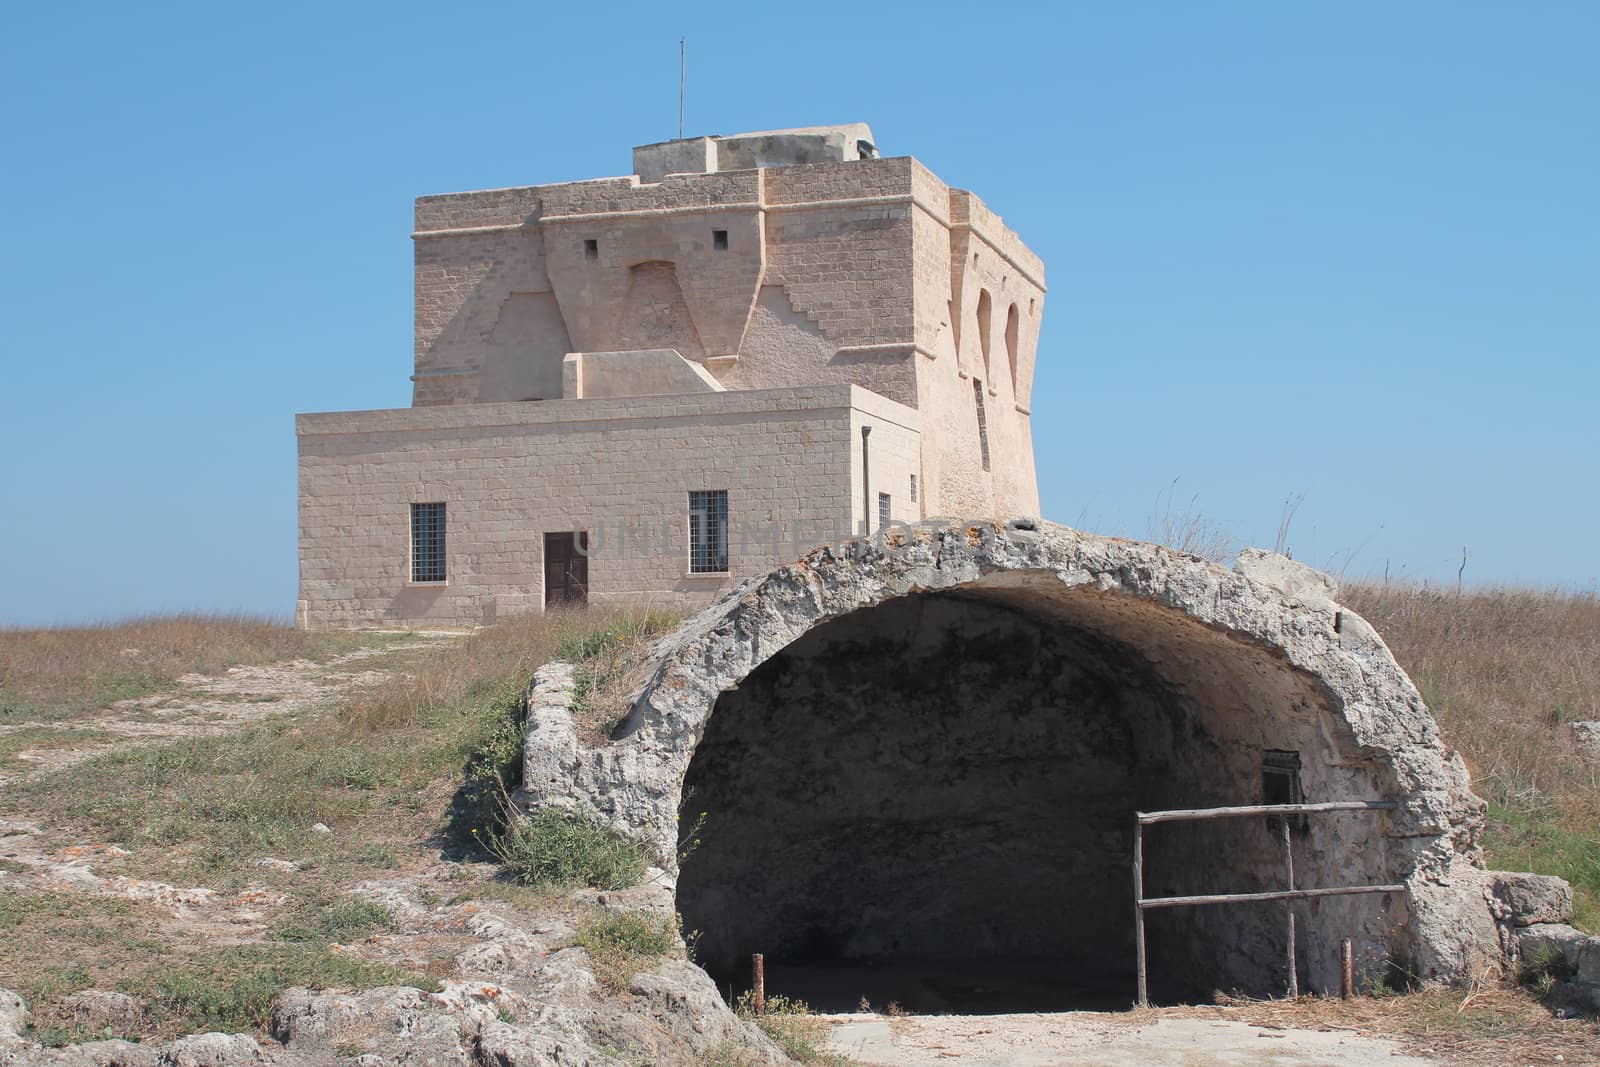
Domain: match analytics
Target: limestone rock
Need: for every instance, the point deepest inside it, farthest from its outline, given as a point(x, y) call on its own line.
point(197, 1050)
point(683, 1000)
point(1293, 579)
point(391, 1025)
point(1586, 736)
point(218, 1050)
point(503, 1045)
point(13, 1017)
point(1542, 939)
point(98, 1008)
point(1530, 898)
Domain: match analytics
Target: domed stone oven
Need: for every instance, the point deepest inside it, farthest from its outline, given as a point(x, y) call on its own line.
point(908, 767)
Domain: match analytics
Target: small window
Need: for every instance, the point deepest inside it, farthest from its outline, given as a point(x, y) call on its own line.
point(983, 421)
point(883, 510)
point(913, 488)
point(1280, 784)
point(708, 531)
point(1013, 320)
point(719, 240)
point(591, 248)
point(984, 313)
point(427, 543)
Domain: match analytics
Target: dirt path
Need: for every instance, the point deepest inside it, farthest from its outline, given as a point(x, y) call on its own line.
point(202, 705)
point(1082, 1039)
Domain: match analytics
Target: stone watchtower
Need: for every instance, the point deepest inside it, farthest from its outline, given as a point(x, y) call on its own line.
point(655, 384)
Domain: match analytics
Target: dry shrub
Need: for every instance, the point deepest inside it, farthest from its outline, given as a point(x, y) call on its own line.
point(482, 667)
point(1481, 1025)
point(59, 673)
point(503, 656)
point(1506, 672)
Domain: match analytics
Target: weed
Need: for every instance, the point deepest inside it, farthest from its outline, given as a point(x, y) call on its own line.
point(378, 855)
point(620, 944)
point(1542, 968)
point(1393, 978)
point(728, 1054)
point(353, 919)
point(790, 1024)
point(556, 849)
point(234, 990)
point(604, 661)
point(346, 920)
point(494, 768)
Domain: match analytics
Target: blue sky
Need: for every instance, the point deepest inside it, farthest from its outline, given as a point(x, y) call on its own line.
point(1349, 252)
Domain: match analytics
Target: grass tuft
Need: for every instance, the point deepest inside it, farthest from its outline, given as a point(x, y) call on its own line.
point(621, 944)
point(605, 662)
point(790, 1024)
point(554, 849)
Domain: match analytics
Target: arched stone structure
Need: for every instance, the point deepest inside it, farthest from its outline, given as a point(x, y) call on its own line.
point(931, 744)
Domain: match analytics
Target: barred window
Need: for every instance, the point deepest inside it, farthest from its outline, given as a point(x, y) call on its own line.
point(913, 488)
point(427, 543)
point(883, 510)
point(983, 422)
point(708, 531)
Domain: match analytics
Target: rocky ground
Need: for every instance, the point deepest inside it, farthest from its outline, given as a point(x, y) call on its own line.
point(496, 978)
point(384, 945)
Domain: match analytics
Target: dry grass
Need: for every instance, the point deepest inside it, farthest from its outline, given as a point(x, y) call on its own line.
point(620, 944)
point(507, 653)
point(1481, 1026)
point(55, 944)
point(385, 769)
point(1506, 671)
point(48, 675)
point(382, 768)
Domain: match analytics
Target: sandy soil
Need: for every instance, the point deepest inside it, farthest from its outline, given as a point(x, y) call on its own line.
point(1082, 1039)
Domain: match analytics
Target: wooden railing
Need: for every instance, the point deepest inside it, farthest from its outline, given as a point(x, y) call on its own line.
point(1289, 894)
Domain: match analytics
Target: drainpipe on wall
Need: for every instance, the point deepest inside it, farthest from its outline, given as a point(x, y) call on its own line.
point(866, 483)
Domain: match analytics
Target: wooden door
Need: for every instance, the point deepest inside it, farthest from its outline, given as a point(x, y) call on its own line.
point(566, 568)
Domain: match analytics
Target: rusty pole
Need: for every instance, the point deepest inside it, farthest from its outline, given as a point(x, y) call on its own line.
point(1347, 970)
point(758, 983)
point(1288, 906)
point(1138, 910)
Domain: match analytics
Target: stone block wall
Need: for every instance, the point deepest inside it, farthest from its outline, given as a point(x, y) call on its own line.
point(618, 468)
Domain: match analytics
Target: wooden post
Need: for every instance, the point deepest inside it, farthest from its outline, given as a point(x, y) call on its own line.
point(758, 983)
point(1138, 906)
point(1288, 906)
point(1347, 970)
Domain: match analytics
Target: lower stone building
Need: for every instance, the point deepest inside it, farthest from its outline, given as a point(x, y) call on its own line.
point(460, 515)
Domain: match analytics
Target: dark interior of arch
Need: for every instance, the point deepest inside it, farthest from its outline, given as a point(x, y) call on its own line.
point(930, 802)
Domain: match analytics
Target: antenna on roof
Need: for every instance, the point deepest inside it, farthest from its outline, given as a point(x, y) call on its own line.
point(683, 72)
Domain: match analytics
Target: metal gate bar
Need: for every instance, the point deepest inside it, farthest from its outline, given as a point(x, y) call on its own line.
point(1283, 811)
